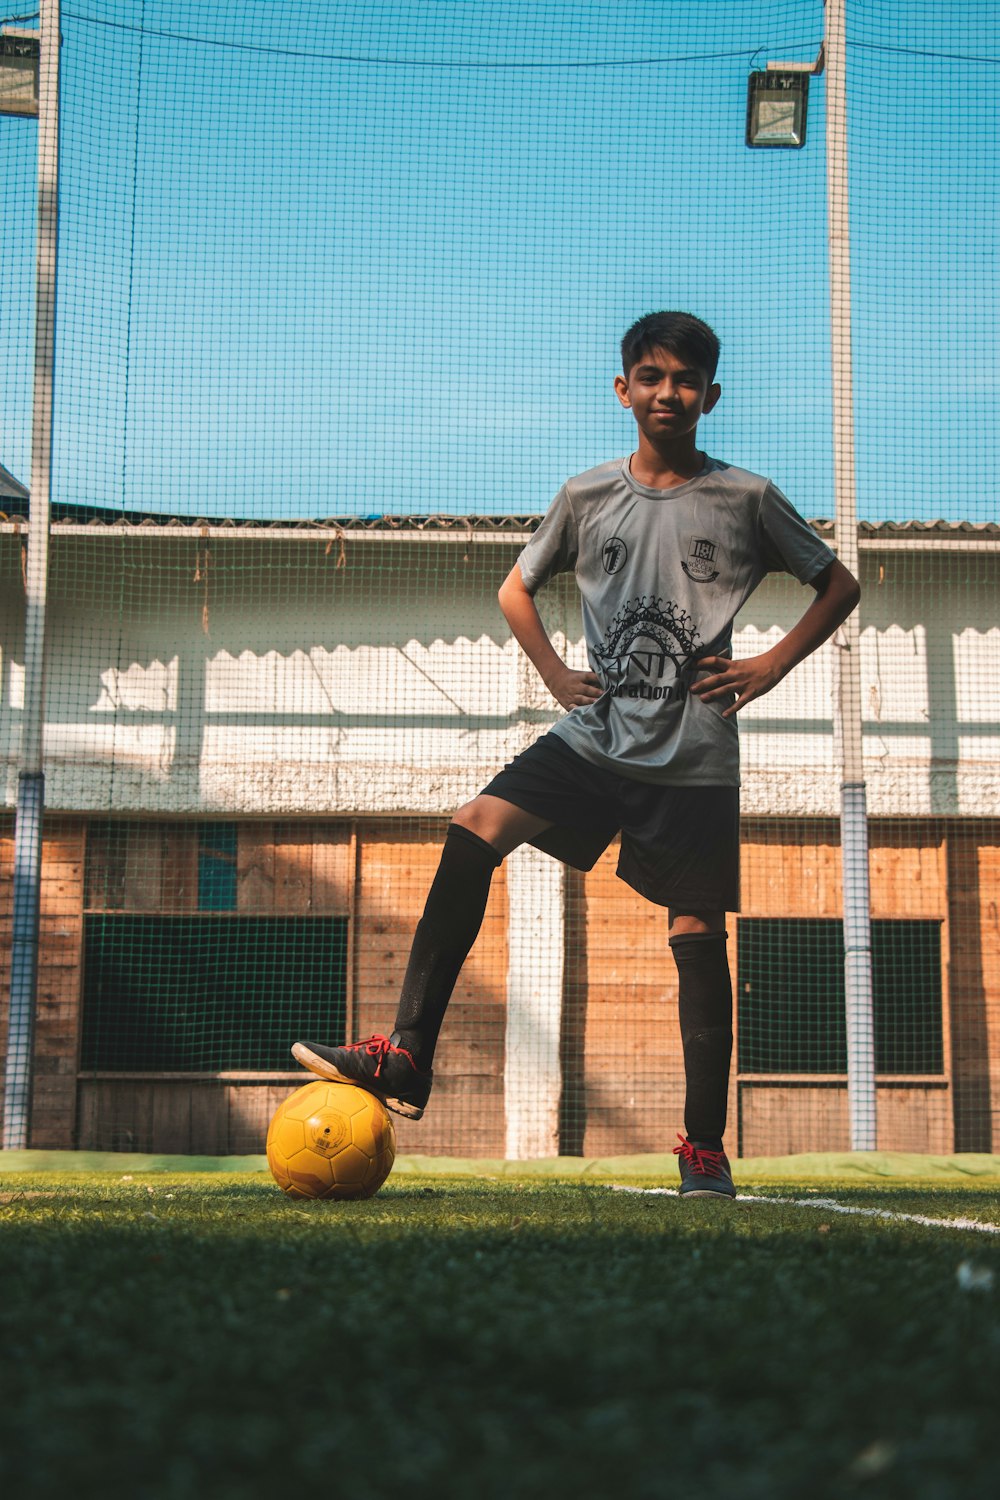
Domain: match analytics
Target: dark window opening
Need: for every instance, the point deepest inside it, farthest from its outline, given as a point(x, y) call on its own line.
point(167, 994)
point(790, 984)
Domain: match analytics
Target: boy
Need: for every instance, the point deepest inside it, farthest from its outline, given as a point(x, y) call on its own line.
point(667, 546)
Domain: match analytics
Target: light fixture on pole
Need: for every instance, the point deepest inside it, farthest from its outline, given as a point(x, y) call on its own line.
point(777, 100)
point(19, 55)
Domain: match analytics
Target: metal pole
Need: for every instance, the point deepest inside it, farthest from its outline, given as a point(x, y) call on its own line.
point(853, 810)
point(31, 781)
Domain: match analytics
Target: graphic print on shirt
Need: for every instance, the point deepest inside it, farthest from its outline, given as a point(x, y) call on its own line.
point(701, 563)
point(649, 650)
point(614, 554)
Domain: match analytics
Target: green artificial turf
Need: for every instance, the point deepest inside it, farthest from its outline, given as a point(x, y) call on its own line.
point(186, 1335)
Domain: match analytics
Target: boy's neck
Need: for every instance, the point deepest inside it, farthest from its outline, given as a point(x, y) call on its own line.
point(662, 466)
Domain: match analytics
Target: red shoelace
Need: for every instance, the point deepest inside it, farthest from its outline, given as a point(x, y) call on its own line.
point(699, 1159)
point(378, 1046)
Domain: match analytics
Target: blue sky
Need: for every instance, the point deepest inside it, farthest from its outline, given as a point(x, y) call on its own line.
point(353, 259)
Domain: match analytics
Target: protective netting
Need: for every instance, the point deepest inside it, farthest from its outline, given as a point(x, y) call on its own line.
point(350, 281)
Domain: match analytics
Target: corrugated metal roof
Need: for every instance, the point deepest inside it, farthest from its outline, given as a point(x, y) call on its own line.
point(916, 528)
point(11, 488)
point(101, 517)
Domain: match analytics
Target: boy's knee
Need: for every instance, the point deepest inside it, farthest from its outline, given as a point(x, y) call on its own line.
point(473, 816)
point(696, 923)
point(478, 819)
point(500, 823)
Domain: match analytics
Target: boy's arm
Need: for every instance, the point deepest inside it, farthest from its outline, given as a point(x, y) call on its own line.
point(570, 689)
point(837, 594)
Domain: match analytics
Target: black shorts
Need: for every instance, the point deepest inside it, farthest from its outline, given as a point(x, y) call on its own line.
point(680, 844)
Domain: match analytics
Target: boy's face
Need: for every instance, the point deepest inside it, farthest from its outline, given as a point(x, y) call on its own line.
point(666, 395)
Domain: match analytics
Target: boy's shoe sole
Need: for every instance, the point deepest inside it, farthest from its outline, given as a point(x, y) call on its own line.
point(325, 1067)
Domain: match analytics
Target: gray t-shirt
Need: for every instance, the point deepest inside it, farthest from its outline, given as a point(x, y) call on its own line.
point(662, 575)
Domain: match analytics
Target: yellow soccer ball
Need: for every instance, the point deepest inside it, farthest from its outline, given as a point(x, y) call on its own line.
point(331, 1140)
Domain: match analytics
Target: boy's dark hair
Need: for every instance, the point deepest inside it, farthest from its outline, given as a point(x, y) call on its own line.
point(679, 333)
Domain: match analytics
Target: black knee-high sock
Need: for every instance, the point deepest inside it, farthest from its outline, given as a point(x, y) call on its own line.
point(705, 1003)
point(447, 930)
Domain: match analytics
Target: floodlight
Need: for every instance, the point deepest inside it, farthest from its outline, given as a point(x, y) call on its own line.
point(776, 108)
point(19, 54)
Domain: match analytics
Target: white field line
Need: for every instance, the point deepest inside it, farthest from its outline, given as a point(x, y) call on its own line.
point(830, 1205)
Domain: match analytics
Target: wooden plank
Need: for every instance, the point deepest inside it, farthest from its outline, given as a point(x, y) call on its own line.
point(52, 1114)
point(973, 868)
point(105, 867)
point(58, 945)
point(130, 1117)
point(621, 1013)
point(465, 1119)
point(988, 935)
point(88, 1116)
point(382, 960)
point(144, 868)
point(116, 1116)
point(53, 1105)
point(332, 869)
point(785, 1121)
point(171, 1124)
point(249, 1110)
point(464, 1056)
point(209, 1119)
point(785, 871)
point(912, 1120)
point(180, 867)
point(469, 1009)
point(790, 876)
point(646, 1117)
point(255, 868)
point(293, 855)
point(63, 841)
point(907, 874)
point(945, 959)
point(779, 1120)
point(59, 986)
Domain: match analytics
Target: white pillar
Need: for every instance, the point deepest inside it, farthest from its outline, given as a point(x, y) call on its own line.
point(31, 781)
point(532, 1075)
point(853, 811)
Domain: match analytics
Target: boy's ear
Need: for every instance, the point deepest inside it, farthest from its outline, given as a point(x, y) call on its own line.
point(711, 399)
point(621, 391)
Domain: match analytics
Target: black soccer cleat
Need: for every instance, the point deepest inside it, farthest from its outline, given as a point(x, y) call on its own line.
point(704, 1173)
point(378, 1065)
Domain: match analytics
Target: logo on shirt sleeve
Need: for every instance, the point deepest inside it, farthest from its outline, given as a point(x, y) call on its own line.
point(701, 563)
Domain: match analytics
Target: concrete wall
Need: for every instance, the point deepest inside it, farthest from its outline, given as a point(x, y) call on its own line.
point(251, 676)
